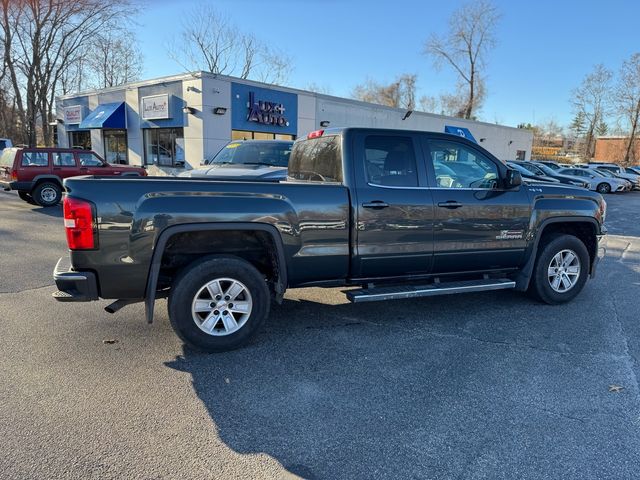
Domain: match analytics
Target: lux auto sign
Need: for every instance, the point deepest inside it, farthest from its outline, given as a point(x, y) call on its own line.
point(266, 113)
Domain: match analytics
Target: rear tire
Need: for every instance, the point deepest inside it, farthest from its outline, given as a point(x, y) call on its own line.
point(603, 188)
point(218, 304)
point(47, 194)
point(561, 269)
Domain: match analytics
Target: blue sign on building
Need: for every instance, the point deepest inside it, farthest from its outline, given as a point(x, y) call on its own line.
point(460, 131)
point(258, 109)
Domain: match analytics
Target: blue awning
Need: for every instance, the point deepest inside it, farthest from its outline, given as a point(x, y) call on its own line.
point(459, 131)
point(107, 115)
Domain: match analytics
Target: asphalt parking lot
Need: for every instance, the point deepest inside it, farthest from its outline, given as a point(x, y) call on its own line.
point(490, 385)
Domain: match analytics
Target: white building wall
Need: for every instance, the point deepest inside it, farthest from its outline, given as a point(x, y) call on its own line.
point(194, 123)
point(96, 134)
point(217, 128)
point(307, 117)
point(502, 141)
point(135, 142)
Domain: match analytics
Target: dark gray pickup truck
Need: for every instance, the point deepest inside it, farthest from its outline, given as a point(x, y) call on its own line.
point(394, 214)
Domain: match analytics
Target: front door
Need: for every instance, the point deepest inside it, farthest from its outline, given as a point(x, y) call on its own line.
point(479, 225)
point(394, 211)
point(90, 163)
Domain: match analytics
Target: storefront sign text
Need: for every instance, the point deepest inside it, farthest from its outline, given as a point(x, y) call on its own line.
point(73, 114)
point(155, 107)
point(266, 113)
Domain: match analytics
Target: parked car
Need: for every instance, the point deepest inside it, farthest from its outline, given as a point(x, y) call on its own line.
point(633, 169)
point(620, 172)
point(37, 173)
point(5, 143)
point(628, 186)
point(566, 179)
point(360, 207)
point(598, 180)
point(263, 160)
point(527, 174)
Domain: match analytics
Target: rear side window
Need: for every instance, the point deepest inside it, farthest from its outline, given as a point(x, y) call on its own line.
point(35, 159)
point(63, 159)
point(390, 161)
point(7, 157)
point(317, 160)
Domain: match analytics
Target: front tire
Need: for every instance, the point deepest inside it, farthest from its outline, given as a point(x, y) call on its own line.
point(47, 194)
point(218, 304)
point(603, 188)
point(561, 270)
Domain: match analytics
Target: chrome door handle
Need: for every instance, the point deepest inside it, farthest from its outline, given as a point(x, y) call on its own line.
point(375, 204)
point(450, 204)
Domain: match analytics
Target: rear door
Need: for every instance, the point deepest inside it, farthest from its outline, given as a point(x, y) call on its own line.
point(394, 209)
point(33, 163)
point(64, 164)
point(479, 225)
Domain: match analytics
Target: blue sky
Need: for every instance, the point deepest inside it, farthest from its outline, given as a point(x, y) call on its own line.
point(544, 48)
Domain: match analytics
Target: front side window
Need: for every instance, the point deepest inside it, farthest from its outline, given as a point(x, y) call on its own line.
point(458, 166)
point(63, 159)
point(89, 160)
point(390, 161)
point(35, 159)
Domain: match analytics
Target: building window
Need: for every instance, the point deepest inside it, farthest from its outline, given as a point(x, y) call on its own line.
point(164, 147)
point(80, 139)
point(248, 135)
point(115, 146)
point(520, 154)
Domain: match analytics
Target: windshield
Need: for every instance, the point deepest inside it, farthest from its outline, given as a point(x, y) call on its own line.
point(552, 166)
point(520, 168)
point(606, 173)
point(546, 170)
point(272, 153)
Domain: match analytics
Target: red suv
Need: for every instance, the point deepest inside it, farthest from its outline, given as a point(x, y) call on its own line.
point(37, 173)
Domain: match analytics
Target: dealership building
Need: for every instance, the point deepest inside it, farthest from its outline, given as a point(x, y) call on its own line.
point(186, 118)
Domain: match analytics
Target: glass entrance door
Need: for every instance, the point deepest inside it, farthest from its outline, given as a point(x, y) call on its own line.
point(115, 146)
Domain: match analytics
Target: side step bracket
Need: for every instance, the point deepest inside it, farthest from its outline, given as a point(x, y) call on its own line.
point(429, 290)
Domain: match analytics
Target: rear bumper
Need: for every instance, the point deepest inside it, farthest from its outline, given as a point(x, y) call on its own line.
point(73, 286)
point(20, 186)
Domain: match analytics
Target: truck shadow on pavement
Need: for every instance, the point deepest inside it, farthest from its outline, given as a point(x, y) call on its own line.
point(439, 387)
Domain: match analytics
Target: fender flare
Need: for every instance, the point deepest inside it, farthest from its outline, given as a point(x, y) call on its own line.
point(167, 233)
point(524, 276)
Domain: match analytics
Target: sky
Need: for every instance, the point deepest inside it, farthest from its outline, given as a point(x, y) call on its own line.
point(544, 49)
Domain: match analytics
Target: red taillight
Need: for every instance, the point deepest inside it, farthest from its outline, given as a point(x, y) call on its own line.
point(14, 175)
point(78, 222)
point(316, 134)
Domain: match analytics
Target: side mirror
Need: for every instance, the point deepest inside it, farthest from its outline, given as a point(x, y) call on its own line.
point(513, 178)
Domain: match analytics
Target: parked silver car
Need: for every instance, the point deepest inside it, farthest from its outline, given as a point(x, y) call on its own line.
point(599, 182)
point(619, 171)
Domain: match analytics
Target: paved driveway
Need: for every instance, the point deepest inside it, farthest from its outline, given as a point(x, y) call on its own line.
point(487, 385)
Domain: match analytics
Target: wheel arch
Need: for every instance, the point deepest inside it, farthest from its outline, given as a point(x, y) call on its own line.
point(163, 239)
point(585, 228)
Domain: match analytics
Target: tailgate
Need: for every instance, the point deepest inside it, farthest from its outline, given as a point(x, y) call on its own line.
point(6, 164)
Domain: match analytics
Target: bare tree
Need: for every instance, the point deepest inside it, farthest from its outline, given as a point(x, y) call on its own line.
point(627, 102)
point(40, 40)
point(209, 41)
point(114, 59)
point(591, 103)
point(400, 93)
point(470, 36)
